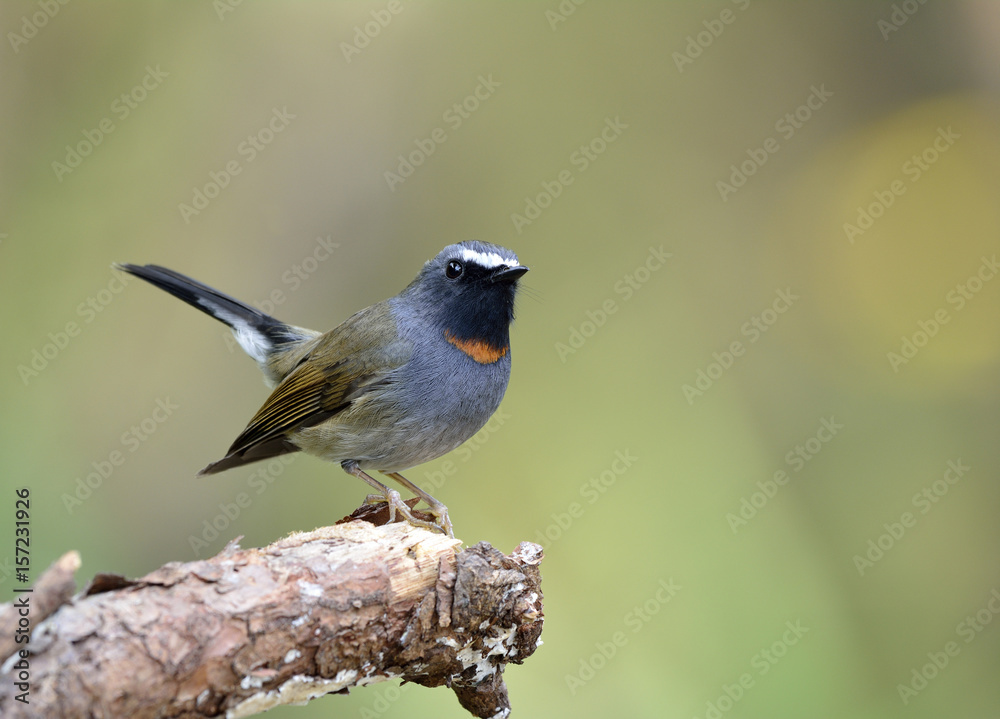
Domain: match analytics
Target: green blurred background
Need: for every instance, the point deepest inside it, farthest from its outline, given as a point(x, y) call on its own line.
point(823, 426)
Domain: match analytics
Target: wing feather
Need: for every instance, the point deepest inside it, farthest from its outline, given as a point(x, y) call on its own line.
point(342, 366)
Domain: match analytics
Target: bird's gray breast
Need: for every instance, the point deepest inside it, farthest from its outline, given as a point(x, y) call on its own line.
point(442, 395)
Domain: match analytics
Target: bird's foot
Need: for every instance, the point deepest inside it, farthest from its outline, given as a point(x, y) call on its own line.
point(434, 507)
point(443, 522)
point(396, 504)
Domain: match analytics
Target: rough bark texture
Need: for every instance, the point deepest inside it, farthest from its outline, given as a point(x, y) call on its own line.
point(315, 613)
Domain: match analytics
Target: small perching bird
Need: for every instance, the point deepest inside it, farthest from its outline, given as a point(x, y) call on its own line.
point(400, 383)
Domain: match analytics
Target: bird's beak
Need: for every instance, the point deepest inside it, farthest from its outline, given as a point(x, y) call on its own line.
point(508, 274)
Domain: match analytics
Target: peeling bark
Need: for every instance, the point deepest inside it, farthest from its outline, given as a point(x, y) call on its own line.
point(312, 614)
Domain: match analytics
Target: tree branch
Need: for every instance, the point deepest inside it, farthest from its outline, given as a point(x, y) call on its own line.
point(249, 629)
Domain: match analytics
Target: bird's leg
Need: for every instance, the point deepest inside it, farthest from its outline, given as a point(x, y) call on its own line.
point(389, 496)
point(436, 508)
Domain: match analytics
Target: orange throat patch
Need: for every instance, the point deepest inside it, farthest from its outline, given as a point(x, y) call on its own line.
point(482, 352)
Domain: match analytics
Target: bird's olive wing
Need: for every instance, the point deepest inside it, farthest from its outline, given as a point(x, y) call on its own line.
point(346, 361)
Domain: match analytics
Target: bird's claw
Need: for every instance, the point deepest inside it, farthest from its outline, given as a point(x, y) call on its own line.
point(396, 504)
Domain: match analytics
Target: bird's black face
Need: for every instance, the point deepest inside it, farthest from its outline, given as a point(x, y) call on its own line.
point(470, 286)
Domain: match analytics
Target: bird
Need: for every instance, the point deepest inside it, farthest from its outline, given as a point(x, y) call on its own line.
point(397, 384)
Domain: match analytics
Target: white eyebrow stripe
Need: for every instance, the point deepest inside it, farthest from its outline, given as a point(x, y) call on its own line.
point(489, 260)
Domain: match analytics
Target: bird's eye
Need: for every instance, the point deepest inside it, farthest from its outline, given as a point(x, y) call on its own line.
point(453, 270)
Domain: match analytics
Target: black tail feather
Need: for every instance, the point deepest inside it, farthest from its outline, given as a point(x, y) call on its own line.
point(210, 301)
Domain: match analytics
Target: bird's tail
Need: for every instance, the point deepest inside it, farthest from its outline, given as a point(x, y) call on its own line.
point(257, 333)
